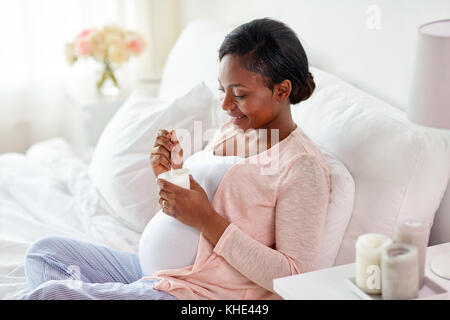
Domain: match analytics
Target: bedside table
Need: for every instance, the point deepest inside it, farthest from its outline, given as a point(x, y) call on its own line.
point(91, 112)
point(331, 283)
point(97, 112)
point(96, 115)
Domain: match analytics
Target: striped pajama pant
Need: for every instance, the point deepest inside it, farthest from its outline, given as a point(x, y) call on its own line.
point(59, 268)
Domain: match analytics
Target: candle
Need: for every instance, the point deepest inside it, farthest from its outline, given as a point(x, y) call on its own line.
point(414, 232)
point(400, 276)
point(368, 261)
point(179, 177)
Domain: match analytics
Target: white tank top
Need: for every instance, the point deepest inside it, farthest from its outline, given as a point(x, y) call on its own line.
point(167, 243)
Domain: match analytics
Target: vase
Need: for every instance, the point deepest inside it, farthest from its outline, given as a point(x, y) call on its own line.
point(107, 85)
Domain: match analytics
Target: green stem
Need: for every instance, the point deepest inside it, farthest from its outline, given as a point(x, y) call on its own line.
point(108, 72)
point(113, 77)
point(102, 80)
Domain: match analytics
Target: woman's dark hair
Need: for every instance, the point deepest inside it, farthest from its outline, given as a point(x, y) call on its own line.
point(273, 50)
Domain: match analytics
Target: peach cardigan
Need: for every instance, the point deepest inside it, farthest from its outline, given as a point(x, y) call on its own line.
point(276, 203)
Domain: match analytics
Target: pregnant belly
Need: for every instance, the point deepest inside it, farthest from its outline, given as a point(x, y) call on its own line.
point(167, 243)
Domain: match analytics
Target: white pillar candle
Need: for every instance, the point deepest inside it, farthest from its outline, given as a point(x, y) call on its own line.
point(368, 261)
point(400, 276)
point(414, 232)
point(180, 177)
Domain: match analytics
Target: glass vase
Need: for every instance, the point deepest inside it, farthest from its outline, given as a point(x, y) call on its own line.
point(108, 85)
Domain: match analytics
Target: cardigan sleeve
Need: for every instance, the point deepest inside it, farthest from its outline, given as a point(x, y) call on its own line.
point(302, 199)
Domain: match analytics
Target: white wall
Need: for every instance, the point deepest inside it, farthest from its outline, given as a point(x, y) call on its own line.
point(40, 94)
point(165, 27)
point(342, 36)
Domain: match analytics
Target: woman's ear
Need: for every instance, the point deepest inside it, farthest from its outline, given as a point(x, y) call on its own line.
point(282, 90)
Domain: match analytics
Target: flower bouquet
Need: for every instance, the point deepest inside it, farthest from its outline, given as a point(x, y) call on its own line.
point(111, 46)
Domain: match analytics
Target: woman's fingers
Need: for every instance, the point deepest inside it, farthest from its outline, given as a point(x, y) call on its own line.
point(161, 151)
point(159, 160)
point(163, 203)
point(167, 152)
point(166, 204)
point(166, 194)
point(164, 142)
point(163, 132)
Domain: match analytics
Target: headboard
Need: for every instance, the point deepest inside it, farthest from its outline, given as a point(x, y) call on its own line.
point(368, 43)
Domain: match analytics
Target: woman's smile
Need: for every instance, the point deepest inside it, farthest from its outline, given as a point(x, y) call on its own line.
point(237, 120)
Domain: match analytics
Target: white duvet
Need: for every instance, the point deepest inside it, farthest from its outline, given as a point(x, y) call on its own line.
point(47, 192)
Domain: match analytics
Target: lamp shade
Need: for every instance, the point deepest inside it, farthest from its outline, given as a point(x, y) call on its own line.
point(429, 103)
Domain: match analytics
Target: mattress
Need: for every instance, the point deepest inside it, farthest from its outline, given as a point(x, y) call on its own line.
point(47, 192)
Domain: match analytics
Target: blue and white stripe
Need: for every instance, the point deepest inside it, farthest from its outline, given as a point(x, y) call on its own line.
point(60, 268)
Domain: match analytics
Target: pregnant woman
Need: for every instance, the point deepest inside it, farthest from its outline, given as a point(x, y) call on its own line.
point(244, 222)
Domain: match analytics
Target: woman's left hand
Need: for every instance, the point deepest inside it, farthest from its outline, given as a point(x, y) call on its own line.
point(191, 207)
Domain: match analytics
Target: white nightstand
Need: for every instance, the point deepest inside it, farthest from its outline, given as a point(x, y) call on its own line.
point(92, 112)
point(99, 111)
point(88, 119)
point(96, 115)
point(331, 283)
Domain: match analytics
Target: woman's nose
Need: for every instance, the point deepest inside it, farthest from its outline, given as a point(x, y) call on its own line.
point(227, 102)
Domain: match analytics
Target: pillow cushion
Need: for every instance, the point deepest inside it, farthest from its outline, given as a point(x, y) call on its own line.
point(339, 211)
point(120, 167)
point(400, 169)
point(193, 58)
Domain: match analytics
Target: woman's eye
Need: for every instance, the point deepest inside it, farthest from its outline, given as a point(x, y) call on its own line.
point(235, 96)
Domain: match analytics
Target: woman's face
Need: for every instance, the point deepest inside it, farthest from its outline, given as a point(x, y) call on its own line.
point(244, 94)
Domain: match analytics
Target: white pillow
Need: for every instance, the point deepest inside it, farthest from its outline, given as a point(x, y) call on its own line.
point(339, 211)
point(193, 58)
point(120, 167)
point(400, 169)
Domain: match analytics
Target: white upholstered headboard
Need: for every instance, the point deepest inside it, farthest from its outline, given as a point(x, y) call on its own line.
point(368, 43)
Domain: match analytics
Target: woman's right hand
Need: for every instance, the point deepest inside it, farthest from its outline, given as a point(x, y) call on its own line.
point(166, 152)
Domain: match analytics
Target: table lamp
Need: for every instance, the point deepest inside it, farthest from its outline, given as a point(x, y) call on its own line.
point(430, 91)
point(430, 94)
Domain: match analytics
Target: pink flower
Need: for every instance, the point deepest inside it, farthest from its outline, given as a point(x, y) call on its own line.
point(136, 45)
point(111, 43)
point(84, 33)
point(83, 48)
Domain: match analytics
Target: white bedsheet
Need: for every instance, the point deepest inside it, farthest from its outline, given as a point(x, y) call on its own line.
point(44, 192)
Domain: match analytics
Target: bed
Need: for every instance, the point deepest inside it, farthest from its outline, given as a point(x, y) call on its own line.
point(399, 169)
point(46, 191)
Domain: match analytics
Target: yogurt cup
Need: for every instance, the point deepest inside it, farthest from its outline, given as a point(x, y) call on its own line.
point(180, 177)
